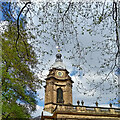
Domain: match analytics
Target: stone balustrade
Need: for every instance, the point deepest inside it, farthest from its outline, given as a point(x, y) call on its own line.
point(87, 109)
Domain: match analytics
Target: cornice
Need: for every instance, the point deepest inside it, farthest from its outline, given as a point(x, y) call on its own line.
point(48, 78)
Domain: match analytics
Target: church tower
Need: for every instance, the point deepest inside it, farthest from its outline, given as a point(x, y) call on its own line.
point(58, 99)
point(58, 89)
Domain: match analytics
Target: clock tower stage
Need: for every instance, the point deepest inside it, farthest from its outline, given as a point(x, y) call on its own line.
point(58, 89)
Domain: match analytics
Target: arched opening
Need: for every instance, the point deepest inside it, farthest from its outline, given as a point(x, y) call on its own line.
point(59, 95)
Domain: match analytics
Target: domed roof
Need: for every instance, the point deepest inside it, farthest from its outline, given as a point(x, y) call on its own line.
point(58, 62)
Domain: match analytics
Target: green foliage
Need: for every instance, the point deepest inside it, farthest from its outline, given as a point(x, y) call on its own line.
point(13, 110)
point(18, 80)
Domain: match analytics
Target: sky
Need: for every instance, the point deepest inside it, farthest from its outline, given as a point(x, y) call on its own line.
point(2, 18)
point(85, 75)
point(104, 98)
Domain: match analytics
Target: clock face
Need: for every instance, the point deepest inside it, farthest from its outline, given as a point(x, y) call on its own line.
point(59, 73)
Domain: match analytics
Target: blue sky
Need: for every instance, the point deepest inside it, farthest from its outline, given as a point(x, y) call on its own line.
point(74, 72)
point(117, 72)
point(1, 15)
point(2, 18)
point(6, 6)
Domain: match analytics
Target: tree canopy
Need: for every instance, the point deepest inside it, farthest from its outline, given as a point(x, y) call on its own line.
point(63, 24)
point(19, 82)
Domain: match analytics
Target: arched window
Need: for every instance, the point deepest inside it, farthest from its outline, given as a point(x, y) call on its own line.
point(59, 95)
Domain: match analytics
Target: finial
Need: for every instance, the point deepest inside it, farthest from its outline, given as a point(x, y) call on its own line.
point(78, 102)
point(96, 104)
point(110, 105)
point(82, 102)
point(58, 55)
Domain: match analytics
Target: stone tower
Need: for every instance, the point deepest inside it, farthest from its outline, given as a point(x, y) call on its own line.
point(58, 89)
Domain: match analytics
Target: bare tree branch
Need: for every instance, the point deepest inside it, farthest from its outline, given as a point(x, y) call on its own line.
point(18, 21)
point(66, 11)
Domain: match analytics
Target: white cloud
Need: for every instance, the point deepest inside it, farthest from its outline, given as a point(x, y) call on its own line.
point(3, 26)
point(92, 96)
point(107, 105)
point(38, 111)
point(41, 94)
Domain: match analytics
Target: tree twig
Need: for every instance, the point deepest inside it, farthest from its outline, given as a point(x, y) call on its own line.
point(10, 11)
